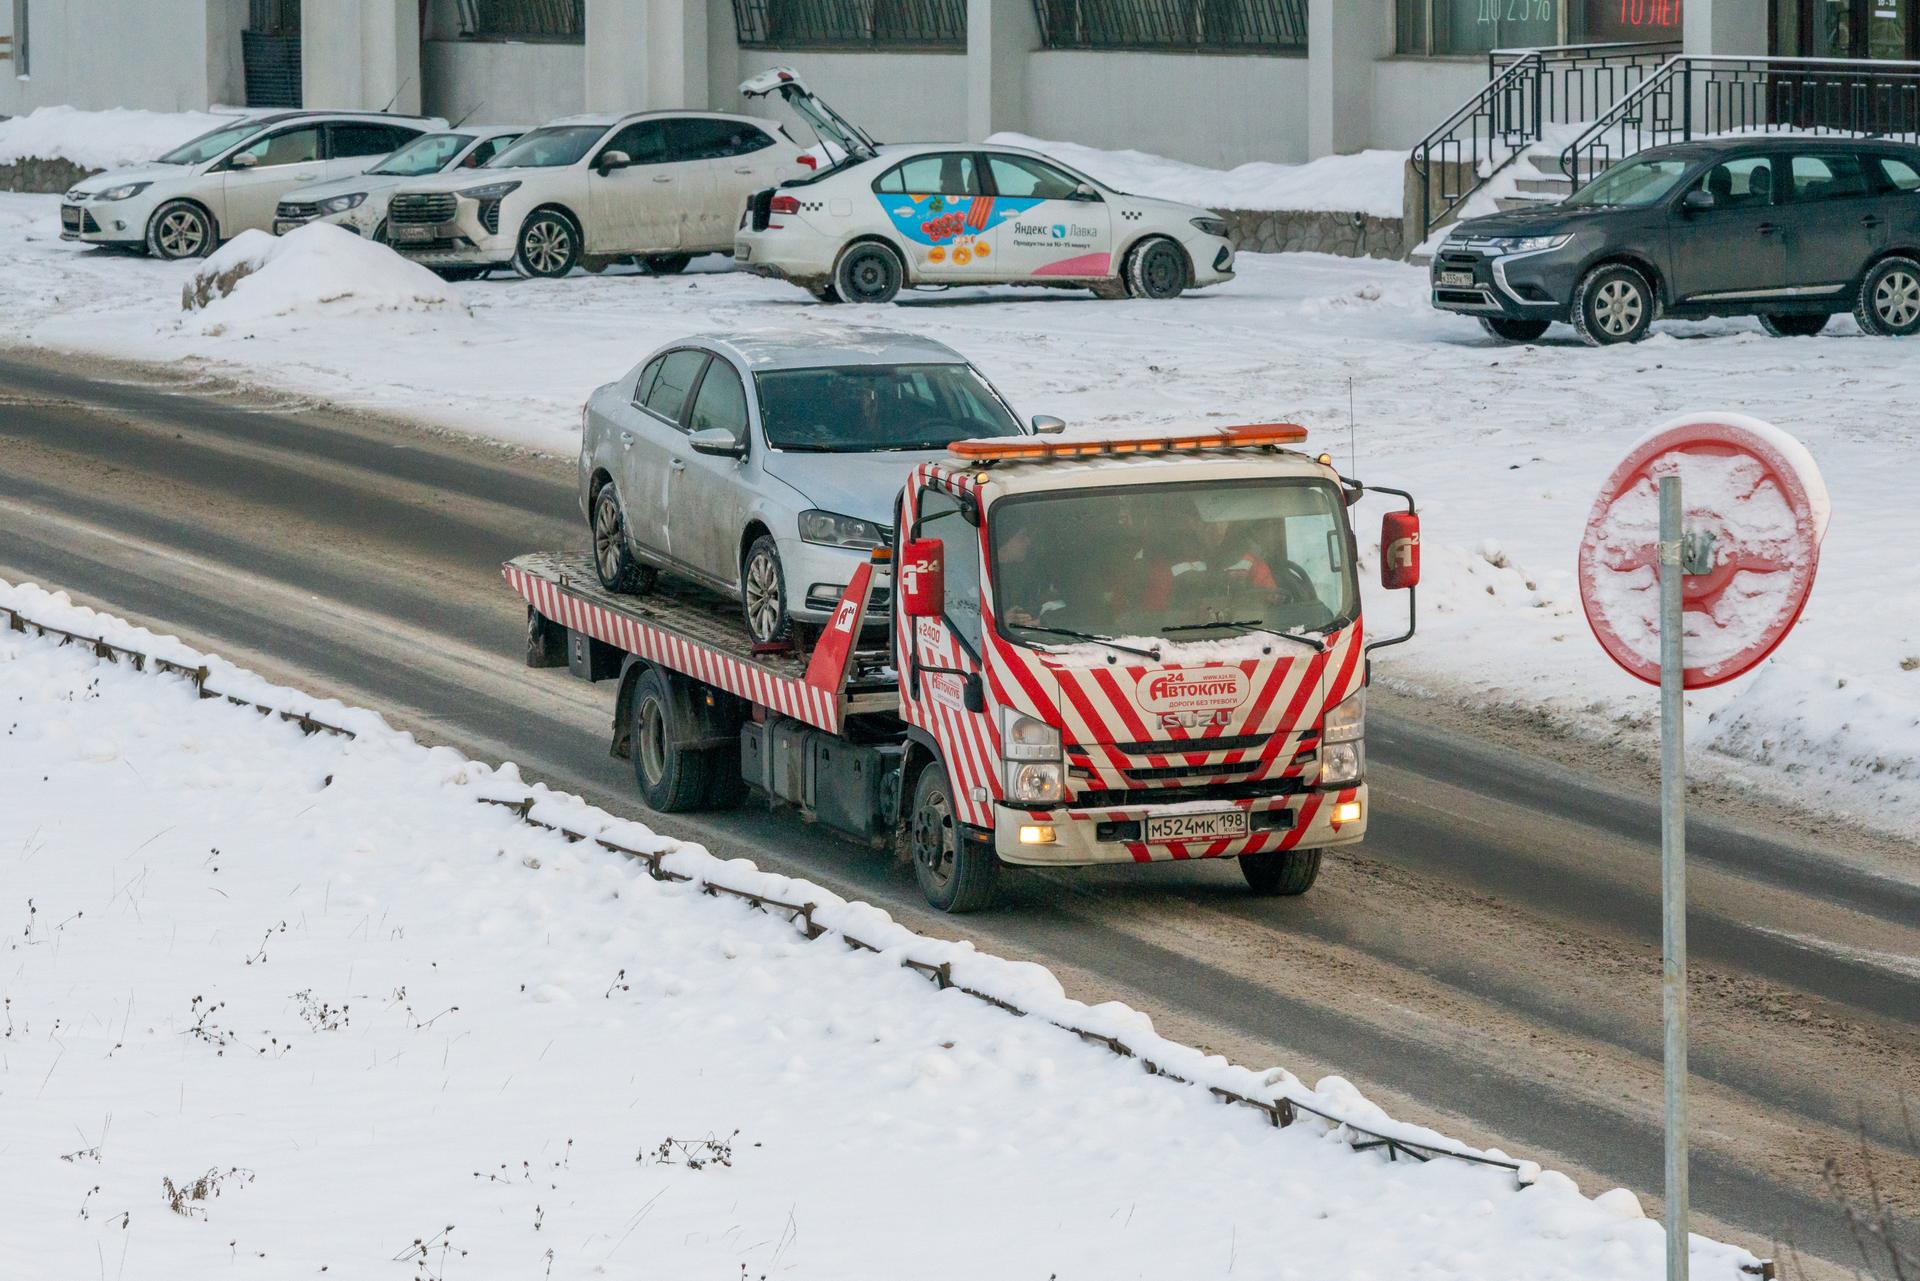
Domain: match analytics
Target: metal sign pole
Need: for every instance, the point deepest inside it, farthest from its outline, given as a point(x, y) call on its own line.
point(1673, 867)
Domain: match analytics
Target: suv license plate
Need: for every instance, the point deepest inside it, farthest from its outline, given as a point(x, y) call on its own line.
point(1196, 827)
point(1457, 279)
point(411, 231)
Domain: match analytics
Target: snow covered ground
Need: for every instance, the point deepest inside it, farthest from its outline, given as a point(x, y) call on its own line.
point(299, 1005)
point(1504, 446)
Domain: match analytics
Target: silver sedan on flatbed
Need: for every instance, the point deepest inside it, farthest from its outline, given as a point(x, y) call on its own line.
point(765, 463)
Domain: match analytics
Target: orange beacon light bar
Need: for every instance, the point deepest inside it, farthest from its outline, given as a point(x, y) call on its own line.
point(1017, 448)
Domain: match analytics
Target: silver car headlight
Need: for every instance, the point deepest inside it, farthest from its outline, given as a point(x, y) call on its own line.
point(1211, 226)
point(830, 529)
point(124, 191)
point(491, 191)
point(340, 204)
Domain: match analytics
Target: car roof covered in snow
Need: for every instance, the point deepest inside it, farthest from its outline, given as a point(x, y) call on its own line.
point(824, 346)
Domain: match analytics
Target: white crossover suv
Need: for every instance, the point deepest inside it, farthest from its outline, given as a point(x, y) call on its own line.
point(891, 217)
point(229, 180)
point(359, 203)
point(657, 186)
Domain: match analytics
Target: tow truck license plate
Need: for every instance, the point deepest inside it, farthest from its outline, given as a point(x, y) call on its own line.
point(1196, 827)
point(1457, 279)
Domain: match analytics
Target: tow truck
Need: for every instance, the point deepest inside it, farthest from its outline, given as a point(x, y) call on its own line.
point(1118, 650)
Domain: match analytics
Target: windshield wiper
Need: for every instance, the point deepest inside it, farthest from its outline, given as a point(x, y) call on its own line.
point(1087, 636)
point(1252, 625)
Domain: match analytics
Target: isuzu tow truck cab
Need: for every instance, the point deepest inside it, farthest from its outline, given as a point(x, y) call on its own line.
point(1102, 651)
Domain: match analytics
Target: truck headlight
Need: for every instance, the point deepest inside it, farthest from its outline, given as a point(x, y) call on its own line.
point(1341, 763)
point(1033, 783)
point(491, 191)
point(1211, 226)
point(125, 191)
point(1026, 738)
point(1347, 722)
point(831, 529)
point(340, 204)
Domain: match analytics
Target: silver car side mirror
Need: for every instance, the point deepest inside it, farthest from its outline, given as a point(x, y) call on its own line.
point(717, 441)
point(1048, 425)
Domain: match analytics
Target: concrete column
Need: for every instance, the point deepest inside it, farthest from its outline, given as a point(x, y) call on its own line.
point(1001, 34)
point(361, 55)
point(1724, 26)
point(647, 55)
point(226, 63)
point(1344, 39)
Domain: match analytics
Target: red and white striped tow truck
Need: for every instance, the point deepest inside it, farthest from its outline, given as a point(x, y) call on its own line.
point(1103, 651)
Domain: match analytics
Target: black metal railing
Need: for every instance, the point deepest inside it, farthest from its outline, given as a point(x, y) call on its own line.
point(1528, 91)
point(1227, 26)
point(851, 24)
point(1708, 96)
point(274, 17)
point(558, 20)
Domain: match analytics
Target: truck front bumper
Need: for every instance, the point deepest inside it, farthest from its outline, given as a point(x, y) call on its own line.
point(1069, 837)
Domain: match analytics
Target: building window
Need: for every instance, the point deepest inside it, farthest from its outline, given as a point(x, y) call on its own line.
point(1441, 27)
point(851, 24)
point(1222, 26)
point(563, 21)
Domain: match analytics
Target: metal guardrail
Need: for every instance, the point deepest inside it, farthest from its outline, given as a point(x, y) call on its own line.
point(851, 24)
point(1700, 96)
point(1527, 90)
point(1200, 26)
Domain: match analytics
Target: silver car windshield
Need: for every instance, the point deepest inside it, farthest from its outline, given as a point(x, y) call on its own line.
point(1632, 182)
point(211, 144)
point(857, 409)
point(1192, 561)
point(424, 155)
point(549, 148)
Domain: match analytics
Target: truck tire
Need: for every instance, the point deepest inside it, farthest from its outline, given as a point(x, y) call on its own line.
point(613, 562)
point(955, 875)
point(725, 787)
point(672, 779)
point(1280, 873)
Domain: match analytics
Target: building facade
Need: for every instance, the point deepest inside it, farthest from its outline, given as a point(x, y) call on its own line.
point(1214, 82)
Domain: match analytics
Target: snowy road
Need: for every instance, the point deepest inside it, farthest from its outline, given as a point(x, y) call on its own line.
point(1487, 960)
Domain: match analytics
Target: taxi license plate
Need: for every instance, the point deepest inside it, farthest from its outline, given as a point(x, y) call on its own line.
point(411, 231)
point(1196, 827)
point(1457, 279)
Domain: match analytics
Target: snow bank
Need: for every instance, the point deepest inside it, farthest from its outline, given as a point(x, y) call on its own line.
point(301, 1000)
point(315, 272)
point(1369, 182)
point(110, 139)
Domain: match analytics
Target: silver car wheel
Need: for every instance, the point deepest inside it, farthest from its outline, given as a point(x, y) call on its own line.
point(1896, 299)
point(182, 233)
point(1618, 308)
point(606, 536)
point(547, 246)
point(764, 607)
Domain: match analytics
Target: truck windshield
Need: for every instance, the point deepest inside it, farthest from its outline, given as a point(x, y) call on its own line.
point(858, 409)
point(1190, 561)
point(1632, 182)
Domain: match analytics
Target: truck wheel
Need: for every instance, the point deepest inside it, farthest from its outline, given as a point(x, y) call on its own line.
point(1508, 329)
point(672, 779)
point(955, 875)
point(613, 561)
point(869, 273)
point(1613, 303)
point(1274, 873)
point(1157, 268)
point(1889, 301)
point(763, 592)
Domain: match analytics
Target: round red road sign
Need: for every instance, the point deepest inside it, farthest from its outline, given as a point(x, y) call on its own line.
point(1757, 491)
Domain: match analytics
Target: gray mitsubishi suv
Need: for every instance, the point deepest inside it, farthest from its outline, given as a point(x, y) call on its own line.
point(1792, 230)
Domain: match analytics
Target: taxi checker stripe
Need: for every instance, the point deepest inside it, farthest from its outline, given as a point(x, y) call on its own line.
point(790, 697)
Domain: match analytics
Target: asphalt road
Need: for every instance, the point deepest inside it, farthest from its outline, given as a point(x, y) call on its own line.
point(1488, 962)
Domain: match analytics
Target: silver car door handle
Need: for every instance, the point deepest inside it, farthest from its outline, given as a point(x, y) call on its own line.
point(626, 438)
point(744, 169)
point(677, 465)
point(661, 178)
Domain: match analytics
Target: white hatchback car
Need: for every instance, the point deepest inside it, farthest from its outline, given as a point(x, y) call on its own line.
point(359, 203)
point(657, 186)
point(893, 217)
point(229, 180)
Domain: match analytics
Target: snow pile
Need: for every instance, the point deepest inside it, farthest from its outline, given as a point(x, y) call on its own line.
point(111, 139)
point(302, 1001)
point(1369, 182)
point(319, 270)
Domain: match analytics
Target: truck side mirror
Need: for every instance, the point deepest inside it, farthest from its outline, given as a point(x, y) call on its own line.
point(1399, 550)
point(922, 579)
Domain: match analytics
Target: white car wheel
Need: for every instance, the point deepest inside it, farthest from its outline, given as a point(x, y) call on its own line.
point(1157, 268)
point(180, 229)
point(869, 272)
point(549, 246)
